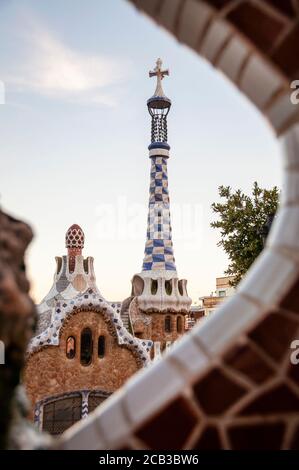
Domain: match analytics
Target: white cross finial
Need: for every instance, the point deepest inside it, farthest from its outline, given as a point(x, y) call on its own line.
point(160, 74)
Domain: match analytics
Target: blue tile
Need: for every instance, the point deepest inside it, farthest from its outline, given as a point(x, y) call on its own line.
point(147, 266)
point(169, 266)
point(158, 257)
point(158, 242)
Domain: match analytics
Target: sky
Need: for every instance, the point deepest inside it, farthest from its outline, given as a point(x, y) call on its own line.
point(75, 129)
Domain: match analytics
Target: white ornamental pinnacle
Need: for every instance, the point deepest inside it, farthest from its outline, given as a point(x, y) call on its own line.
point(159, 73)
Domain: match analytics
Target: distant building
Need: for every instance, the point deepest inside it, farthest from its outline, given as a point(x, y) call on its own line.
point(208, 304)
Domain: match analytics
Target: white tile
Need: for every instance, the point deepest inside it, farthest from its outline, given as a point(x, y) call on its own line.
point(213, 41)
point(84, 435)
point(110, 418)
point(282, 111)
point(290, 146)
point(168, 13)
point(227, 323)
point(232, 58)
point(269, 278)
point(189, 355)
point(147, 392)
point(260, 81)
point(193, 19)
point(285, 231)
point(290, 187)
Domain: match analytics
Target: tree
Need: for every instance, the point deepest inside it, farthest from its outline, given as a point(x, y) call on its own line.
point(242, 222)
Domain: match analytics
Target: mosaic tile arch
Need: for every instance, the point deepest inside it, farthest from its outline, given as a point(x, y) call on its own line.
point(230, 383)
point(90, 300)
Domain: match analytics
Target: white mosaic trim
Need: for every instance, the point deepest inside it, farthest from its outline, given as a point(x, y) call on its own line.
point(90, 300)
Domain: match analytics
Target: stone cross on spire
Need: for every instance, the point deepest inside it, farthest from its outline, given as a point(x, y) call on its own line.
point(159, 73)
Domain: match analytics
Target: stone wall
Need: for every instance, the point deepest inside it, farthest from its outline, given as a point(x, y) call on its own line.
point(155, 329)
point(158, 332)
point(49, 372)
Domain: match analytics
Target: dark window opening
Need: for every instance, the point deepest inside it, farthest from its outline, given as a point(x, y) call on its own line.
point(154, 286)
point(101, 346)
point(60, 414)
point(86, 347)
point(94, 401)
point(168, 287)
point(181, 290)
point(179, 324)
point(70, 347)
point(167, 324)
point(59, 264)
point(85, 265)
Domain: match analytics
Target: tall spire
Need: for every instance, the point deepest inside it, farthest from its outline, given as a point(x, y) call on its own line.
point(158, 248)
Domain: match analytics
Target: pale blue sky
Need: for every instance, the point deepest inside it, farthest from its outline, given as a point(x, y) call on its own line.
point(75, 131)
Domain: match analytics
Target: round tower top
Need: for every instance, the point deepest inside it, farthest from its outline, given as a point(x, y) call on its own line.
point(74, 237)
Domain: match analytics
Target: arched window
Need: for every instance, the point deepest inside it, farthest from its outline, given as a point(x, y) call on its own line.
point(61, 413)
point(94, 400)
point(168, 287)
point(70, 347)
point(101, 346)
point(179, 324)
point(167, 324)
point(86, 347)
point(154, 286)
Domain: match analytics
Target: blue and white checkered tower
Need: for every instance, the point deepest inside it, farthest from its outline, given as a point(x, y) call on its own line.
point(159, 248)
point(157, 288)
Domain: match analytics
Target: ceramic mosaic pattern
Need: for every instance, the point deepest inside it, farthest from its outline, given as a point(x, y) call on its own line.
point(158, 248)
point(230, 382)
point(74, 237)
point(90, 300)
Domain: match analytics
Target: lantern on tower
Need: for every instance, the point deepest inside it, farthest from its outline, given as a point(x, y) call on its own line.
point(158, 107)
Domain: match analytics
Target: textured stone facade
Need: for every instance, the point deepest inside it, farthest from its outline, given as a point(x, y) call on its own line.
point(157, 329)
point(160, 327)
point(49, 372)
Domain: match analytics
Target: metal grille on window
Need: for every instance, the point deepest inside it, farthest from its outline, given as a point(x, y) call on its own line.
point(60, 414)
point(94, 400)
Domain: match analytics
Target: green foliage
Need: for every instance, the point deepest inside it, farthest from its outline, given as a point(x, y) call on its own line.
point(241, 220)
